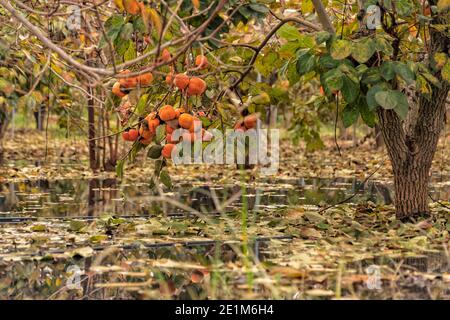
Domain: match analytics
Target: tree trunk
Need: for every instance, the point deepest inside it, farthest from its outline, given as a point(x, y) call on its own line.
point(4, 121)
point(379, 142)
point(411, 144)
point(39, 117)
point(411, 152)
point(91, 132)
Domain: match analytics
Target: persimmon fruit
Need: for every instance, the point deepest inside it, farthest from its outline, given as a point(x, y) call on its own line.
point(181, 81)
point(185, 120)
point(165, 55)
point(133, 134)
point(251, 121)
point(167, 113)
point(196, 86)
point(129, 81)
point(131, 6)
point(167, 150)
point(169, 79)
point(201, 61)
point(117, 90)
point(145, 79)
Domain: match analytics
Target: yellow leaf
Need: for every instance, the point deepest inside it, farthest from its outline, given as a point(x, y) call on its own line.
point(156, 20)
point(443, 5)
point(119, 5)
point(150, 16)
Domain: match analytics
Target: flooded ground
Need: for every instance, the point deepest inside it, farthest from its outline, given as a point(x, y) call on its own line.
point(94, 197)
point(111, 239)
point(66, 233)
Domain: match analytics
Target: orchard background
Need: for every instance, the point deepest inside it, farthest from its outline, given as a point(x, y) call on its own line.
point(92, 205)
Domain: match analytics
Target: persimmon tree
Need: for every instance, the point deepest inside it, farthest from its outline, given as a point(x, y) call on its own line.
point(164, 64)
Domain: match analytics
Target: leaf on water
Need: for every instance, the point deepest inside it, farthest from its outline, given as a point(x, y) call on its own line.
point(77, 225)
point(38, 228)
point(288, 272)
point(319, 293)
point(84, 252)
point(310, 233)
point(314, 217)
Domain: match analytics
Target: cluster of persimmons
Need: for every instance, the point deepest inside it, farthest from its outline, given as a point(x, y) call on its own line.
point(173, 118)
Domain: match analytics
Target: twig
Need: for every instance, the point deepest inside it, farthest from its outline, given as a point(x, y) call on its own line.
point(357, 189)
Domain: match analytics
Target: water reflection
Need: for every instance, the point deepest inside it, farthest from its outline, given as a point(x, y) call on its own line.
point(81, 198)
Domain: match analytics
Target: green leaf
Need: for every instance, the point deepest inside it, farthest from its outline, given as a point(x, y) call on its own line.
point(38, 228)
point(403, 71)
point(160, 133)
point(363, 50)
point(305, 63)
point(432, 79)
point(384, 46)
point(126, 32)
point(367, 115)
point(307, 6)
point(404, 7)
point(328, 62)
point(259, 8)
point(289, 32)
point(370, 96)
point(440, 59)
point(388, 70)
point(349, 115)
point(77, 225)
point(350, 89)
point(393, 99)
point(130, 54)
point(140, 107)
point(340, 49)
point(119, 168)
point(371, 76)
point(332, 81)
point(165, 179)
point(322, 37)
point(154, 152)
point(292, 73)
point(386, 99)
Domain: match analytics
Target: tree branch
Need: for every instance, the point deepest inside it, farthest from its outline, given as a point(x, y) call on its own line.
point(258, 49)
point(323, 16)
